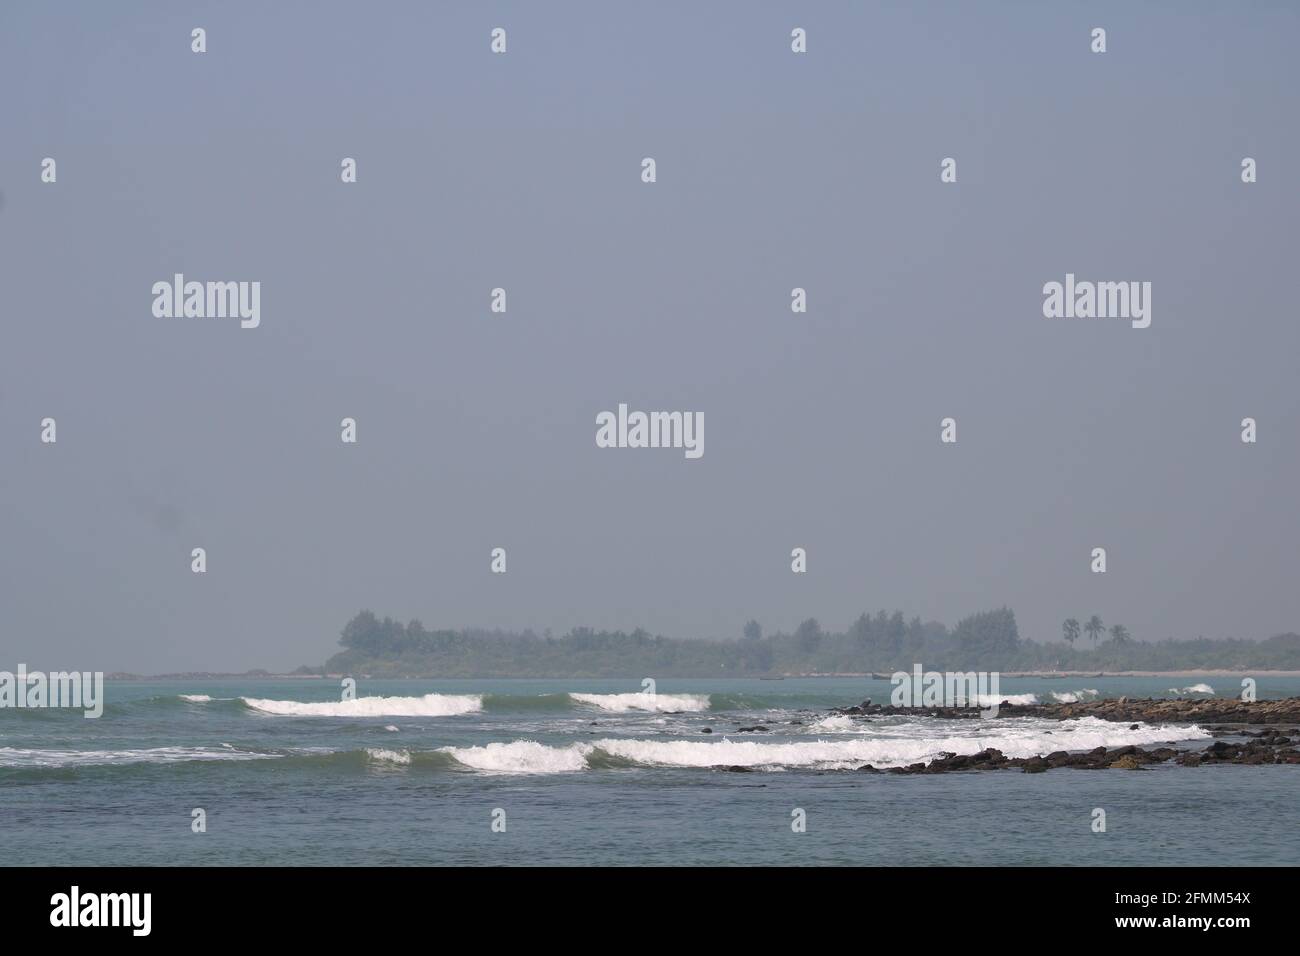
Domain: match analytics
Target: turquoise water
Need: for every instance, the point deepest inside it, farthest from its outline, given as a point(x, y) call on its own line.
point(286, 774)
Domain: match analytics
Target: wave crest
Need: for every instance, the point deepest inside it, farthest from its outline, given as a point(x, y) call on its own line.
point(1074, 696)
point(653, 703)
point(381, 755)
point(1024, 740)
point(522, 756)
point(430, 705)
point(21, 757)
point(992, 700)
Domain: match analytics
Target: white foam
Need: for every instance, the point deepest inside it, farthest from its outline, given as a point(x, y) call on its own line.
point(990, 700)
point(197, 698)
point(906, 744)
point(837, 722)
point(622, 703)
point(430, 705)
point(391, 728)
point(522, 756)
point(1073, 697)
point(878, 744)
point(388, 756)
point(1194, 689)
point(11, 757)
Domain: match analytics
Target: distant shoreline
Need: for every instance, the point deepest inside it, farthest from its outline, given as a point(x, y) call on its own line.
point(262, 675)
point(1182, 673)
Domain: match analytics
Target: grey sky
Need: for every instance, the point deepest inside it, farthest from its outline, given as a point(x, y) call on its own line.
point(775, 170)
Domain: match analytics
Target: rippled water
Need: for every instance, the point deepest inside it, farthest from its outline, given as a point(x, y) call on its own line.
point(601, 772)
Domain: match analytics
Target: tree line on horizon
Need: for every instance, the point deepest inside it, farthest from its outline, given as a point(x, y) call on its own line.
point(1094, 627)
point(884, 642)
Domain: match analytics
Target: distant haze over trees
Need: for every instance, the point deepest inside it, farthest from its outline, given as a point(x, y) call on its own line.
point(883, 643)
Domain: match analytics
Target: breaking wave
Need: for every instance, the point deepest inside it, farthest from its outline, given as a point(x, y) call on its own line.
point(657, 703)
point(430, 705)
point(847, 745)
point(380, 755)
point(23, 758)
point(442, 705)
point(989, 700)
point(522, 756)
point(530, 757)
point(1075, 696)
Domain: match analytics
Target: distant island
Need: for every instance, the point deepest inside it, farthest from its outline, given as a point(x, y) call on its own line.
point(883, 643)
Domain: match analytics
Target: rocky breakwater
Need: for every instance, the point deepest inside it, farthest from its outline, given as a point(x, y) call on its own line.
point(1213, 710)
point(1223, 717)
point(1152, 710)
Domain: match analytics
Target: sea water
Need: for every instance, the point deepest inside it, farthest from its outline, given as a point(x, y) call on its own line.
point(576, 772)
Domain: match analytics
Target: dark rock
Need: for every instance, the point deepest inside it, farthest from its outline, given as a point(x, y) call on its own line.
point(910, 768)
point(1268, 745)
point(1124, 710)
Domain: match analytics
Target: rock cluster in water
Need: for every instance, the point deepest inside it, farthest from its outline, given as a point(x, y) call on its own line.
point(1214, 710)
point(1271, 747)
point(1274, 745)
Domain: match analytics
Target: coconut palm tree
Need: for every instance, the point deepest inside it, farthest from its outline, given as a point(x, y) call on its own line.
point(1071, 629)
point(1119, 634)
point(1095, 628)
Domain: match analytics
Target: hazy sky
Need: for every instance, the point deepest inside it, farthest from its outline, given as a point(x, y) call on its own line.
point(522, 171)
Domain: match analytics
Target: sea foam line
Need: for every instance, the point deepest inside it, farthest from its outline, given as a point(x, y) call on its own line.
point(655, 703)
point(531, 757)
point(12, 757)
point(430, 705)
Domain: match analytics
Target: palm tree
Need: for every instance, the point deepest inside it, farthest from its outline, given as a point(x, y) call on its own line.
point(1119, 634)
point(1071, 629)
point(1094, 627)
